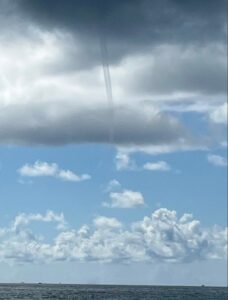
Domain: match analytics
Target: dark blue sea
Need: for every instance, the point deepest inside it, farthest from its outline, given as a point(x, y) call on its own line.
point(110, 292)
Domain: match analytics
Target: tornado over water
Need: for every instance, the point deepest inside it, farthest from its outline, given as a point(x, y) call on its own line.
point(108, 84)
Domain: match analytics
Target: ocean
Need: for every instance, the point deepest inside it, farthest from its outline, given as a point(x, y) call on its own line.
point(110, 292)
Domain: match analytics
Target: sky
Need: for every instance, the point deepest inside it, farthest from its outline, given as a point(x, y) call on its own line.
point(113, 141)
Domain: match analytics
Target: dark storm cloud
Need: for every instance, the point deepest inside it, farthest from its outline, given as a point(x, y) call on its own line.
point(132, 25)
point(51, 92)
point(128, 18)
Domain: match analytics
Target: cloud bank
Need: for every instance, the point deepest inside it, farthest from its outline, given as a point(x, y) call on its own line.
point(162, 236)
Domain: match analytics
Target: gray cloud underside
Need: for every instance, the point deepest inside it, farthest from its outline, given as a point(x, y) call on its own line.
point(60, 125)
point(190, 70)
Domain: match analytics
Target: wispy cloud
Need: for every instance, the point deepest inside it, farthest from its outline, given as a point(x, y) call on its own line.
point(22, 220)
point(217, 160)
point(44, 169)
point(219, 114)
point(112, 185)
point(124, 162)
point(157, 166)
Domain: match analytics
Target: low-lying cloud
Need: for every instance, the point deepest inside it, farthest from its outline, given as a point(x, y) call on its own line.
point(162, 236)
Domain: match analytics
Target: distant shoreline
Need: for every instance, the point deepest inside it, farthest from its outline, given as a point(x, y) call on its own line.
point(108, 285)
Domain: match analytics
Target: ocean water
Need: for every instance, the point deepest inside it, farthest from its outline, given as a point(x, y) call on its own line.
point(110, 292)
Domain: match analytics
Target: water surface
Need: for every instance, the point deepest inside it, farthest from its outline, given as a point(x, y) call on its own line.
point(109, 292)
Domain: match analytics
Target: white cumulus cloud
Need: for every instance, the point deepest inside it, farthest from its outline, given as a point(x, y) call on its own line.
point(104, 222)
point(125, 199)
point(162, 236)
point(40, 168)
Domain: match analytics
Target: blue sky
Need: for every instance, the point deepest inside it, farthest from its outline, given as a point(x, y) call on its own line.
point(113, 142)
point(191, 186)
